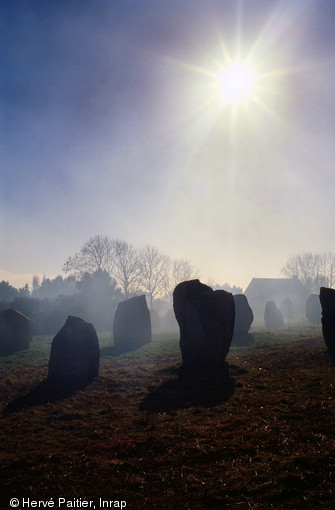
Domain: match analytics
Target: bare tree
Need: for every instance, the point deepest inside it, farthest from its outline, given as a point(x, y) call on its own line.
point(133, 270)
point(96, 254)
point(308, 267)
point(154, 269)
point(182, 270)
point(327, 268)
point(127, 268)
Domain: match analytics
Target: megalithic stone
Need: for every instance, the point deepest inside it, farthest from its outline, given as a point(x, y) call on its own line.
point(16, 332)
point(132, 323)
point(243, 319)
point(327, 300)
point(206, 322)
point(273, 318)
point(75, 354)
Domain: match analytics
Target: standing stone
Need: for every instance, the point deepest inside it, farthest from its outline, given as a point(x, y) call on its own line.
point(286, 308)
point(327, 300)
point(182, 295)
point(132, 323)
point(75, 354)
point(273, 318)
point(243, 319)
point(16, 332)
point(313, 309)
point(206, 322)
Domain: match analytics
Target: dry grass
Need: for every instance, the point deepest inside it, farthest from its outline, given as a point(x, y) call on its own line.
point(145, 433)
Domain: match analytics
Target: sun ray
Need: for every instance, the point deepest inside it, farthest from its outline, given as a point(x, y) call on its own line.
point(267, 109)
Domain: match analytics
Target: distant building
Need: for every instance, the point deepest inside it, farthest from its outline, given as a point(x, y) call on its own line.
point(262, 290)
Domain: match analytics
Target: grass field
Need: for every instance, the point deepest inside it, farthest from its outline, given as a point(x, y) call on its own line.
point(261, 436)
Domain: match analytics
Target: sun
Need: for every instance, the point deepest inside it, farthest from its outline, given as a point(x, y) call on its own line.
point(236, 82)
point(232, 86)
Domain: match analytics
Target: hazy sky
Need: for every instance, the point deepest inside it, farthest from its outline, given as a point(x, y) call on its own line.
point(112, 124)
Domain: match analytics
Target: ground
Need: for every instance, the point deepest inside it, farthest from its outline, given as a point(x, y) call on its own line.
point(261, 436)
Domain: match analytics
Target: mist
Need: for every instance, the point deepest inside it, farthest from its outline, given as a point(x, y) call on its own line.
point(108, 126)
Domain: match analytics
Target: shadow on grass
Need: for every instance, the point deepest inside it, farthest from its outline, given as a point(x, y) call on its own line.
point(191, 387)
point(43, 393)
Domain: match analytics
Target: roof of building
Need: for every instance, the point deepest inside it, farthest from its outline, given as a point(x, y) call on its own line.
point(269, 287)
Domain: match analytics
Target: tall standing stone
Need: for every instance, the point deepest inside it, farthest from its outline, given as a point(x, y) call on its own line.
point(75, 354)
point(132, 323)
point(16, 332)
point(327, 300)
point(206, 322)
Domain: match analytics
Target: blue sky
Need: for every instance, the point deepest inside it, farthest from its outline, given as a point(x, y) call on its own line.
point(108, 126)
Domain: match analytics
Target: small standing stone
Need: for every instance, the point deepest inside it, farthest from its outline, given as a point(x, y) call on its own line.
point(16, 332)
point(132, 323)
point(273, 318)
point(75, 353)
point(286, 308)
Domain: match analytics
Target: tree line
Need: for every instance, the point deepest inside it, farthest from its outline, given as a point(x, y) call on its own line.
point(106, 271)
point(100, 275)
point(94, 298)
point(134, 270)
point(314, 270)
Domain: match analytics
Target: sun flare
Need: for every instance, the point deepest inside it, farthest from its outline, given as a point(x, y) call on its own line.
point(236, 82)
point(231, 86)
